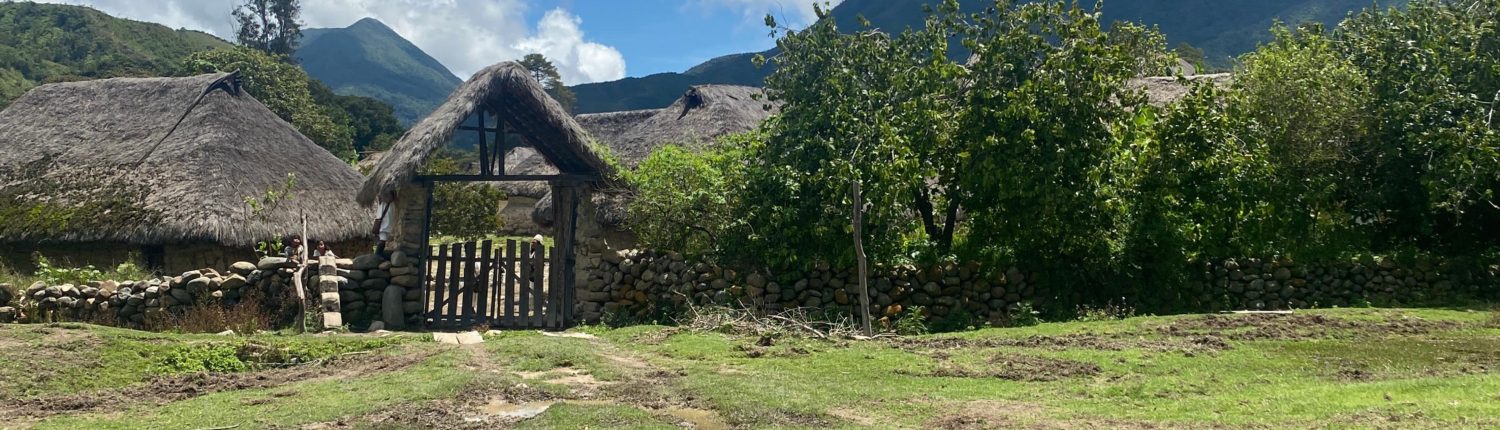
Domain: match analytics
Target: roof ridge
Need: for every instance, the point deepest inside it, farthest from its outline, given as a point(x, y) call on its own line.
point(229, 82)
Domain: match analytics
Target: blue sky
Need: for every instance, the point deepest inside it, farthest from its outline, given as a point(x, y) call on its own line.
point(589, 40)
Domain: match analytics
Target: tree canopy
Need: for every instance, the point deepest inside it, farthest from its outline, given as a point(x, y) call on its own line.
point(270, 26)
point(546, 74)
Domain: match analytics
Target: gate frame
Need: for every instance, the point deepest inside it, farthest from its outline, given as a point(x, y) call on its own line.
point(566, 189)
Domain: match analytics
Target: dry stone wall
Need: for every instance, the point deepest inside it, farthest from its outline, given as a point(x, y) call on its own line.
point(1274, 284)
point(367, 286)
point(643, 285)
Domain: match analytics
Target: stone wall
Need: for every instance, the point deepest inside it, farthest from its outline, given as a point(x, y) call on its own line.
point(175, 258)
point(638, 284)
point(365, 285)
point(641, 285)
point(1273, 284)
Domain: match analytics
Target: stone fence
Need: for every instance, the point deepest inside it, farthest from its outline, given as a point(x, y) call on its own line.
point(642, 285)
point(366, 284)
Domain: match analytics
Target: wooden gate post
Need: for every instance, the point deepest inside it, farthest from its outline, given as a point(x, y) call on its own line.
point(561, 277)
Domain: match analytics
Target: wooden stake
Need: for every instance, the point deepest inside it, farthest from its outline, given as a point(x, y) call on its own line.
point(859, 253)
point(297, 281)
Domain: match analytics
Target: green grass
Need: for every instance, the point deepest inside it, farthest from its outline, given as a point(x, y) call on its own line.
point(499, 240)
point(1440, 377)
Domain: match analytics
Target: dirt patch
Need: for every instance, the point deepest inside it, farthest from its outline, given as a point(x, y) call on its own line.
point(1188, 344)
point(166, 389)
point(986, 414)
point(1014, 367)
point(1301, 326)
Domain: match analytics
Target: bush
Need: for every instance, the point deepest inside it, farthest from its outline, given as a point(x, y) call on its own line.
point(682, 197)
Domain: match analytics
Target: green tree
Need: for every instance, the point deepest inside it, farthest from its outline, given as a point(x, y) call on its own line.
point(1047, 119)
point(271, 26)
point(682, 197)
point(464, 210)
point(283, 88)
point(372, 122)
point(1432, 155)
point(546, 73)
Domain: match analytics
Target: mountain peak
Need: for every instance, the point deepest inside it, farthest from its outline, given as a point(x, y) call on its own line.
point(370, 23)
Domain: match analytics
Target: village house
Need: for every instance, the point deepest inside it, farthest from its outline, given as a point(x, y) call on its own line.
point(160, 169)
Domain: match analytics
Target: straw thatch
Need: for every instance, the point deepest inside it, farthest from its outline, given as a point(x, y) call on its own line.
point(508, 90)
point(163, 160)
point(1161, 90)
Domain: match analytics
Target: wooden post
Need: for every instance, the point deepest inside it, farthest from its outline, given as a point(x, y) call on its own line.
point(484, 146)
point(859, 253)
point(297, 281)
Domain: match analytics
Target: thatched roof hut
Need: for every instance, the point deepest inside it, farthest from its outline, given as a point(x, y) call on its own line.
point(505, 88)
point(151, 161)
point(158, 160)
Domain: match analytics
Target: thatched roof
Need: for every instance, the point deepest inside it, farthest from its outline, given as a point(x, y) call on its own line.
point(509, 90)
point(163, 160)
point(1161, 90)
point(702, 114)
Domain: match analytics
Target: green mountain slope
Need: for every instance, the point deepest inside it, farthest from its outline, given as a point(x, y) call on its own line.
point(41, 43)
point(1222, 28)
point(369, 59)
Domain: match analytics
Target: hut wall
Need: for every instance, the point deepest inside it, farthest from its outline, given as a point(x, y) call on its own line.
point(102, 255)
point(515, 217)
point(181, 258)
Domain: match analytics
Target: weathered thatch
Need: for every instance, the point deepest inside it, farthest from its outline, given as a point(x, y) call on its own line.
point(163, 160)
point(702, 114)
point(509, 90)
point(1161, 90)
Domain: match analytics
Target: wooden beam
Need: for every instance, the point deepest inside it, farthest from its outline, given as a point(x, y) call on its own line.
point(484, 146)
point(563, 177)
point(470, 128)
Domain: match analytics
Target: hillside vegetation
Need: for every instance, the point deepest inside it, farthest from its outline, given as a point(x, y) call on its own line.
point(369, 59)
point(1223, 29)
point(42, 43)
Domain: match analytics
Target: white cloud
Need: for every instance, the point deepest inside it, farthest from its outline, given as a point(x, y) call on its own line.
point(465, 35)
point(792, 13)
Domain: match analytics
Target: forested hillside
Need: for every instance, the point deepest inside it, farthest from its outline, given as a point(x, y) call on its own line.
point(42, 43)
point(369, 59)
point(1223, 29)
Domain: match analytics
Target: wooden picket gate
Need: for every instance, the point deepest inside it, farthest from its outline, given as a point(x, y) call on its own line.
point(476, 284)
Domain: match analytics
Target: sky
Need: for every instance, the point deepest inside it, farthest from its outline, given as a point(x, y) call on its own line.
point(589, 40)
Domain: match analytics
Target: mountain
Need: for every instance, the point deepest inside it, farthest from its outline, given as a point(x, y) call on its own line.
point(369, 59)
point(1223, 29)
point(41, 43)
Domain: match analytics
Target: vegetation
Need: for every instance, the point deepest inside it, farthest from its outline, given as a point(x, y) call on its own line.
point(1038, 152)
point(1355, 369)
point(369, 59)
point(44, 43)
point(270, 26)
point(546, 73)
point(468, 211)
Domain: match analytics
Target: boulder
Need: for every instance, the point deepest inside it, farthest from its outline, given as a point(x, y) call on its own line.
point(408, 281)
point(365, 262)
point(233, 281)
point(7, 293)
point(8, 315)
point(399, 259)
point(270, 263)
point(391, 308)
point(242, 268)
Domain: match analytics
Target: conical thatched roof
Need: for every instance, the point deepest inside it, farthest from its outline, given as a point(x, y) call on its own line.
point(509, 90)
point(163, 160)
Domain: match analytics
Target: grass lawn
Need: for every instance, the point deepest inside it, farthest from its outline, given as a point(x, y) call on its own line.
point(1340, 368)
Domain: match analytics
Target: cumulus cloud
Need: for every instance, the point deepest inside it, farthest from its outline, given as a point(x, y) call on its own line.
point(465, 35)
point(794, 13)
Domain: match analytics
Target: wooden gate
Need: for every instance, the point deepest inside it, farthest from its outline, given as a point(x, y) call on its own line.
point(478, 284)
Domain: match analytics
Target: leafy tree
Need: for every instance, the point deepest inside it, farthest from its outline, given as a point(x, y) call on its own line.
point(546, 73)
point(681, 196)
point(283, 88)
point(1432, 155)
point(271, 26)
point(1046, 119)
point(464, 210)
point(373, 122)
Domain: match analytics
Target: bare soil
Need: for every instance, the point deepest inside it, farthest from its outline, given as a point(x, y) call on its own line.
point(1300, 326)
